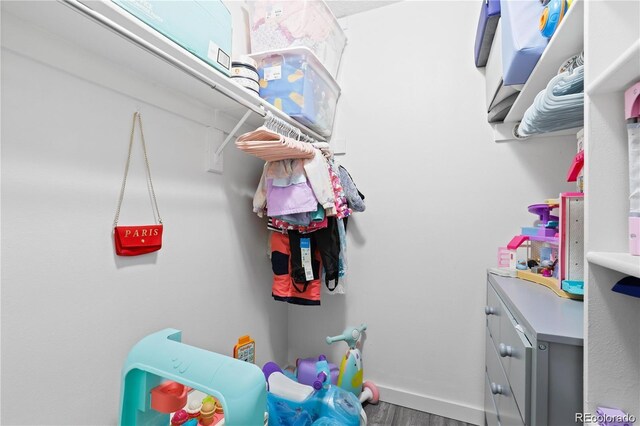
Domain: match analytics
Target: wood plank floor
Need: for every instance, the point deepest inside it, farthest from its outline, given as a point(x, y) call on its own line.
point(385, 414)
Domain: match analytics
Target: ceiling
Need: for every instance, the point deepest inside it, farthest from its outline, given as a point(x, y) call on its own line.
point(342, 8)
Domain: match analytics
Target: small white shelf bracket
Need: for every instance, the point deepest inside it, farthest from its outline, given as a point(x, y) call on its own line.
point(231, 134)
point(215, 157)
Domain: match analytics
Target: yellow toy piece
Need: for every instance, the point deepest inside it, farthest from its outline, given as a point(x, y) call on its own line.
point(551, 283)
point(245, 349)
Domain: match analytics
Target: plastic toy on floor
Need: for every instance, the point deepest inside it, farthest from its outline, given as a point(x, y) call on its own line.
point(294, 404)
point(306, 370)
point(161, 356)
point(351, 371)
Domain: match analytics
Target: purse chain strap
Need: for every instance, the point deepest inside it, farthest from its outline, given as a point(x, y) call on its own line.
point(137, 118)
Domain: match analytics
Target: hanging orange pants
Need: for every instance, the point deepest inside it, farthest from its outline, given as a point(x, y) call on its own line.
point(284, 288)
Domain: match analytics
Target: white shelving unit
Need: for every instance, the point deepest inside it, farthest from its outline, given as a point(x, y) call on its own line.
point(612, 320)
point(89, 26)
point(619, 262)
point(609, 33)
point(567, 41)
point(620, 74)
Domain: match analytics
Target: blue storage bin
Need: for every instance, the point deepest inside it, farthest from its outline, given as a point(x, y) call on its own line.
point(201, 27)
point(295, 82)
point(487, 24)
point(522, 43)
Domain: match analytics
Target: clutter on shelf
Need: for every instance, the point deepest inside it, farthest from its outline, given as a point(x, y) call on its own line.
point(554, 248)
point(487, 27)
point(202, 27)
point(308, 198)
point(500, 98)
point(559, 106)
point(522, 43)
point(552, 15)
point(244, 71)
point(295, 82)
point(298, 47)
point(281, 24)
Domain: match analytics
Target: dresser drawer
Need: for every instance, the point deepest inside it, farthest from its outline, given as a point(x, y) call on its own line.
point(515, 352)
point(494, 310)
point(490, 410)
point(508, 412)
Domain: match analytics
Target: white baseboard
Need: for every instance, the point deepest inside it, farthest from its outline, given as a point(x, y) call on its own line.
point(440, 407)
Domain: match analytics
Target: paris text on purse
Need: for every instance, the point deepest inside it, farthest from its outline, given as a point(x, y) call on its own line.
point(142, 239)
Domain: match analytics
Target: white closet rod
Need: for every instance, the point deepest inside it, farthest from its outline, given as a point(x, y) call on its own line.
point(123, 32)
point(278, 124)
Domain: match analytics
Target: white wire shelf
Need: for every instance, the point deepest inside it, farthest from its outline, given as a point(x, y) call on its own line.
point(123, 41)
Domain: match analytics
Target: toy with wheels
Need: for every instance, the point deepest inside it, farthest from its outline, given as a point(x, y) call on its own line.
point(306, 370)
point(294, 404)
point(351, 371)
point(369, 393)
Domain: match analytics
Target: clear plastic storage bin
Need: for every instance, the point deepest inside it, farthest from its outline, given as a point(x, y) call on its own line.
point(281, 24)
point(295, 82)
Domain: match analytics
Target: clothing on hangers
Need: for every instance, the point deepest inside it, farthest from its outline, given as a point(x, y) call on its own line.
point(355, 199)
point(325, 148)
point(287, 200)
point(327, 242)
point(318, 175)
point(278, 225)
point(342, 207)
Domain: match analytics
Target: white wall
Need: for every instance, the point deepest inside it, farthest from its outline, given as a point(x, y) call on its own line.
point(441, 197)
point(71, 309)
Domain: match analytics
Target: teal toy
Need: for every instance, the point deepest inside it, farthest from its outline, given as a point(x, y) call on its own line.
point(350, 377)
point(239, 386)
point(323, 374)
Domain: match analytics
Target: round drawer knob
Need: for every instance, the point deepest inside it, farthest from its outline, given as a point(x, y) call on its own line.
point(496, 389)
point(505, 350)
point(489, 310)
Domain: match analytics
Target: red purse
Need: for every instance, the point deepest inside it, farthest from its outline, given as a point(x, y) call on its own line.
point(142, 239)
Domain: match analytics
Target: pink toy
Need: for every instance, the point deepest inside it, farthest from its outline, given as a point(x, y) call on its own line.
point(506, 257)
point(179, 418)
point(576, 167)
point(369, 393)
